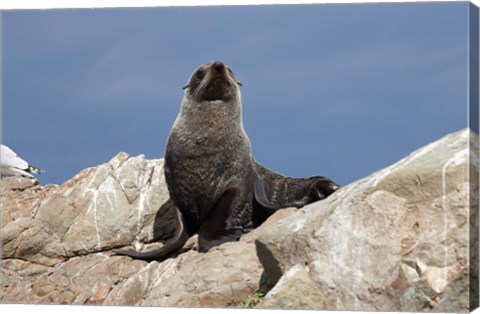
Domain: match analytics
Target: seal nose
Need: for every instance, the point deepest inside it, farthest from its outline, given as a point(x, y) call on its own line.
point(217, 65)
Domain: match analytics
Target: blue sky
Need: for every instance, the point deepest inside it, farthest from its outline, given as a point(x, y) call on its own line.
point(340, 90)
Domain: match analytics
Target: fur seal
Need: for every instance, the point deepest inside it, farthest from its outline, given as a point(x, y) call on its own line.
point(217, 188)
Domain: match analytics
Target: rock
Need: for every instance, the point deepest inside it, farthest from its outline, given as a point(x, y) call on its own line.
point(397, 240)
point(112, 205)
point(20, 197)
point(56, 242)
point(106, 206)
point(295, 290)
point(223, 277)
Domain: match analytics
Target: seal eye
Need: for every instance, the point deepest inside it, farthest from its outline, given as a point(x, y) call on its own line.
point(200, 74)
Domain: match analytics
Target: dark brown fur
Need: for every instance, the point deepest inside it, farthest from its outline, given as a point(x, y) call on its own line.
point(218, 189)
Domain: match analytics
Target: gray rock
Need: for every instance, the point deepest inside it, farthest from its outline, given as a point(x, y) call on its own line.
point(106, 206)
point(21, 197)
point(397, 240)
point(56, 242)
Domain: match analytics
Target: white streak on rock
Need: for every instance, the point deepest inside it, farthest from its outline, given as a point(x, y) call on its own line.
point(93, 205)
point(167, 270)
point(359, 237)
point(340, 247)
point(95, 196)
point(140, 210)
point(456, 160)
point(67, 192)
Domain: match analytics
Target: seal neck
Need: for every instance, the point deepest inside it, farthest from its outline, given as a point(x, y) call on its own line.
point(208, 112)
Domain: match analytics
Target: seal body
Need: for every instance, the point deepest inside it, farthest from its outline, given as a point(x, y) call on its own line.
point(208, 161)
point(217, 188)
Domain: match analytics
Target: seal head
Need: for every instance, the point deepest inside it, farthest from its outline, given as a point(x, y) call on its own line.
point(213, 81)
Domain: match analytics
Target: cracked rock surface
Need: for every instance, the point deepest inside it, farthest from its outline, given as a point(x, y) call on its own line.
point(402, 239)
point(396, 240)
point(57, 239)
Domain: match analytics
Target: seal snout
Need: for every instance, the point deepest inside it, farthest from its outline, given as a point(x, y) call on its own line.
point(217, 70)
point(218, 65)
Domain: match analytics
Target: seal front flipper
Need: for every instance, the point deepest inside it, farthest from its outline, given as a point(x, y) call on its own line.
point(170, 246)
point(228, 219)
point(290, 193)
point(263, 195)
point(273, 191)
point(321, 188)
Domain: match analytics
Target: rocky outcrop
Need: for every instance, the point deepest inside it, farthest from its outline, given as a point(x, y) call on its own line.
point(57, 240)
point(396, 240)
point(100, 208)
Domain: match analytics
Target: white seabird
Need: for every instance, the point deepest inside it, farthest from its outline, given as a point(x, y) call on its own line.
point(12, 165)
